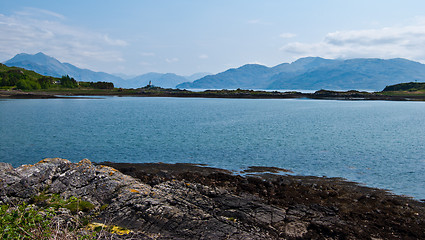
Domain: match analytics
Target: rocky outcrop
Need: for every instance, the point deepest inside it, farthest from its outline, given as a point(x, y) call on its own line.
point(161, 203)
point(172, 209)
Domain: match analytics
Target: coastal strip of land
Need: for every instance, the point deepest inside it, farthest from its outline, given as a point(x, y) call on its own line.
point(189, 201)
point(238, 93)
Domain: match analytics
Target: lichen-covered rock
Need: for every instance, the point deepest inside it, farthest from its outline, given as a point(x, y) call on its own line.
point(180, 202)
point(172, 209)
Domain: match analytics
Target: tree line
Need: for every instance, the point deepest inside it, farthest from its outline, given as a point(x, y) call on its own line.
point(28, 80)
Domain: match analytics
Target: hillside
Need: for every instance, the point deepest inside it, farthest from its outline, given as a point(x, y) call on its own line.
point(50, 66)
point(11, 72)
point(247, 76)
point(23, 79)
point(314, 73)
point(12, 78)
point(410, 87)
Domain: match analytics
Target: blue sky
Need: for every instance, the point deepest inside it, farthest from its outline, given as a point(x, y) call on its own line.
point(189, 36)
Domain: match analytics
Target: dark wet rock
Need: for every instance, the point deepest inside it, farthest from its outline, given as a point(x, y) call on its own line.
point(185, 201)
point(300, 207)
point(261, 169)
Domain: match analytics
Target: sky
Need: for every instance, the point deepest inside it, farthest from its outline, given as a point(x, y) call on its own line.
point(189, 36)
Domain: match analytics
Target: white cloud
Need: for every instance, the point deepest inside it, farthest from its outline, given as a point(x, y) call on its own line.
point(147, 54)
point(35, 30)
point(171, 60)
point(254, 21)
point(203, 56)
point(259, 22)
point(256, 62)
point(287, 35)
point(36, 12)
point(114, 42)
point(145, 63)
point(389, 42)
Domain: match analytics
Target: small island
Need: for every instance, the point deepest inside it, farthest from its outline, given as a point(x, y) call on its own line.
point(150, 91)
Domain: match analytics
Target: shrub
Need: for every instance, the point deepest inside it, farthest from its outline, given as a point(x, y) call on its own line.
point(46, 82)
point(24, 222)
point(42, 220)
point(74, 204)
point(68, 82)
point(27, 85)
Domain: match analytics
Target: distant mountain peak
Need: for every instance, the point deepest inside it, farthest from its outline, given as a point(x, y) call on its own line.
point(310, 60)
point(36, 58)
point(303, 59)
point(41, 54)
point(49, 66)
point(316, 73)
point(252, 66)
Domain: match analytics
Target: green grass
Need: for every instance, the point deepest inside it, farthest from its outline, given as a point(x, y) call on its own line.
point(403, 93)
point(74, 204)
point(30, 222)
point(25, 222)
point(7, 87)
point(39, 220)
point(30, 75)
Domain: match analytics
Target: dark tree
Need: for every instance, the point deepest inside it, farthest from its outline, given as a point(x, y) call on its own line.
point(46, 82)
point(68, 82)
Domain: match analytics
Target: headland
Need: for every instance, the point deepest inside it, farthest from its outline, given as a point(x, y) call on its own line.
point(352, 95)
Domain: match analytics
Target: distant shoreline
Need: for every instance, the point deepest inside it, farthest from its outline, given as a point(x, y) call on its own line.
point(238, 94)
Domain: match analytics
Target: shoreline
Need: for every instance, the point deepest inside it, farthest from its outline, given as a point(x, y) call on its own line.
point(190, 201)
point(173, 170)
point(235, 94)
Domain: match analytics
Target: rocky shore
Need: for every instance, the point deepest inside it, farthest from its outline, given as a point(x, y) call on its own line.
point(184, 201)
point(241, 94)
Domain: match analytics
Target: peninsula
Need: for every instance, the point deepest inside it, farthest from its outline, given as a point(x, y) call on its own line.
point(151, 91)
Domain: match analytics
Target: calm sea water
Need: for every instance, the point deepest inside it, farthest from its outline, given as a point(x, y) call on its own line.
point(380, 144)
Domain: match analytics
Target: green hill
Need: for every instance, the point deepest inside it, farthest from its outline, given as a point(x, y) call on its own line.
point(16, 72)
point(11, 77)
point(20, 78)
point(410, 87)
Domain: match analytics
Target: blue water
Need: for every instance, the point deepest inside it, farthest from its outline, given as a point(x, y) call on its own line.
point(377, 143)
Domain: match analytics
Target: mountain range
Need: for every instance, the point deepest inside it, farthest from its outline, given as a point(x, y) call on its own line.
point(50, 66)
point(164, 80)
point(310, 73)
point(314, 73)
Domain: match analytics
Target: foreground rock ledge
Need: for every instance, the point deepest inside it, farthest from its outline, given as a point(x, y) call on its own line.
point(167, 201)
